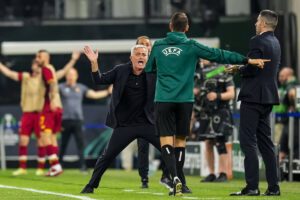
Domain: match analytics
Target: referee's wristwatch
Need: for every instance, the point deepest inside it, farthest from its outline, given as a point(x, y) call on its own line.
point(245, 60)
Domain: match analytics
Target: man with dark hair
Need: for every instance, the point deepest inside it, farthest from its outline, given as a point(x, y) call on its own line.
point(212, 110)
point(32, 94)
point(258, 95)
point(32, 102)
point(179, 22)
point(270, 18)
point(143, 145)
point(288, 102)
point(174, 59)
point(51, 114)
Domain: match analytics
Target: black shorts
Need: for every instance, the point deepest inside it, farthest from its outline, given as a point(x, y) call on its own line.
point(215, 122)
point(219, 139)
point(172, 118)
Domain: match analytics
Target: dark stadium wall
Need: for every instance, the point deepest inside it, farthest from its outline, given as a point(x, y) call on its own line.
point(234, 33)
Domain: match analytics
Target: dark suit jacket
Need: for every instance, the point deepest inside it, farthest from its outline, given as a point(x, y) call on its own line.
point(260, 85)
point(118, 77)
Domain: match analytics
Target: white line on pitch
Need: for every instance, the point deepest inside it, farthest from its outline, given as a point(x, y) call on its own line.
point(202, 198)
point(47, 192)
point(143, 192)
point(161, 194)
point(128, 190)
point(157, 193)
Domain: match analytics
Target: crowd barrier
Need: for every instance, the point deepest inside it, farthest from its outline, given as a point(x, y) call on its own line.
point(292, 117)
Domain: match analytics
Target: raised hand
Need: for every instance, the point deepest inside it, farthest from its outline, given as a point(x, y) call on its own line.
point(258, 62)
point(76, 55)
point(90, 54)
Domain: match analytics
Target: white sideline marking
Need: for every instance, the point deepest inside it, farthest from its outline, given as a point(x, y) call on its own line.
point(161, 194)
point(47, 192)
point(143, 192)
point(158, 194)
point(203, 198)
point(128, 190)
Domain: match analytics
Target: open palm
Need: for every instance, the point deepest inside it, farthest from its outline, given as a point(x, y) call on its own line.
point(90, 54)
point(76, 55)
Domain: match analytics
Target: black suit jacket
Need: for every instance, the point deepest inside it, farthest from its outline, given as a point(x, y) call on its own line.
point(118, 77)
point(260, 85)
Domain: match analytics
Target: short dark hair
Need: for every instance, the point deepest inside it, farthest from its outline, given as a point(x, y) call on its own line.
point(270, 18)
point(141, 37)
point(43, 51)
point(179, 21)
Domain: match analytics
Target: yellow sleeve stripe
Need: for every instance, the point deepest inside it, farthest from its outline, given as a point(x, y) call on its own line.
point(50, 80)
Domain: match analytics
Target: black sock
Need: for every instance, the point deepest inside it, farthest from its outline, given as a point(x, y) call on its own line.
point(167, 153)
point(165, 172)
point(144, 180)
point(180, 157)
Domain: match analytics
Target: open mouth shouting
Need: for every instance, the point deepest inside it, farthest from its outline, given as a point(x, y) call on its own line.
point(141, 63)
point(139, 59)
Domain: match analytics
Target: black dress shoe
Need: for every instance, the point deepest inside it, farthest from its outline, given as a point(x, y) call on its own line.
point(165, 181)
point(144, 185)
point(209, 178)
point(222, 178)
point(272, 193)
point(185, 189)
point(87, 189)
point(246, 192)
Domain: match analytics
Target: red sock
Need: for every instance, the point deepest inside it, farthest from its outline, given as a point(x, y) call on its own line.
point(41, 157)
point(23, 156)
point(51, 155)
point(56, 150)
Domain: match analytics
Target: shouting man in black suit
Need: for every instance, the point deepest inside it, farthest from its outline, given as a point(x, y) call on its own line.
point(258, 94)
point(131, 107)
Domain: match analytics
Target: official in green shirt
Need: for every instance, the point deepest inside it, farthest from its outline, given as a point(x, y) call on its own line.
point(174, 60)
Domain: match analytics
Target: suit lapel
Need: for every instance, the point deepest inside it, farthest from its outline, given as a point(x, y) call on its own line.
point(125, 76)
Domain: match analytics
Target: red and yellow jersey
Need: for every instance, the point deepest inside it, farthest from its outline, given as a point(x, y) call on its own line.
point(48, 74)
point(32, 92)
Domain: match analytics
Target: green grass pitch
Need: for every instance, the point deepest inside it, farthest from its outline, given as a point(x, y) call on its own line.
point(123, 185)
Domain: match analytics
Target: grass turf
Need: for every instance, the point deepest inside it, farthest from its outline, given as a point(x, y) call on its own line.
point(115, 182)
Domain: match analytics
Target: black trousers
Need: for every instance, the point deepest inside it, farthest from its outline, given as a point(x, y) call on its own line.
point(120, 138)
point(74, 127)
point(255, 132)
point(143, 158)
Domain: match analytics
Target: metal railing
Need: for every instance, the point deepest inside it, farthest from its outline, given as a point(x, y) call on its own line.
point(2, 149)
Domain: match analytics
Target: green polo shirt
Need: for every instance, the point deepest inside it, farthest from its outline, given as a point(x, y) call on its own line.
point(174, 59)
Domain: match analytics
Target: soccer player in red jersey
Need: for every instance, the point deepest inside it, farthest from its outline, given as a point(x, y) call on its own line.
point(50, 117)
point(31, 104)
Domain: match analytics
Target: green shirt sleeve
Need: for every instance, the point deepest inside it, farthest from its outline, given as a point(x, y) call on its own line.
point(151, 64)
point(217, 55)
